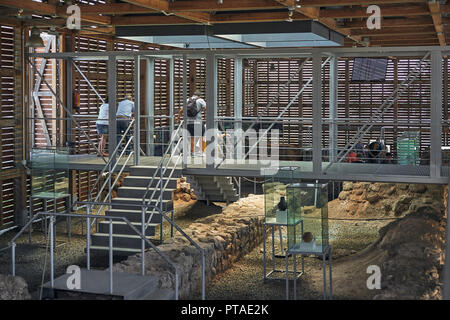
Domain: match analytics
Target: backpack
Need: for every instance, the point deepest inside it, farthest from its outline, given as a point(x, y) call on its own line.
point(192, 107)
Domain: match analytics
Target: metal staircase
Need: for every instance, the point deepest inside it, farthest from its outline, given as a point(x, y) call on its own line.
point(213, 188)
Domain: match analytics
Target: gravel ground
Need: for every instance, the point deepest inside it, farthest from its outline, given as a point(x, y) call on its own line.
point(243, 281)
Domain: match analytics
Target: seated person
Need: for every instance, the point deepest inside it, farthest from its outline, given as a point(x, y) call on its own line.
point(375, 150)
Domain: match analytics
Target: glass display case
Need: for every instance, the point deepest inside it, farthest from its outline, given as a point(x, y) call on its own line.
point(49, 172)
point(307, 202)
point(275, 197)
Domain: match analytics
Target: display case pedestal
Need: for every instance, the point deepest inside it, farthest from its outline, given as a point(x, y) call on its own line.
point(45, 197)
point(272, 223)
point(305, 249)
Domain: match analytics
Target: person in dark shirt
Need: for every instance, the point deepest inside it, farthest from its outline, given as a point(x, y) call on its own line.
point(375, 150)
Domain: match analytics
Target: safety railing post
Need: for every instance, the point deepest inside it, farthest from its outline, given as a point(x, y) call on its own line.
point(110, 256)
point(52, 275)
point(13, 258)
point(143, 241)
point(88, 238)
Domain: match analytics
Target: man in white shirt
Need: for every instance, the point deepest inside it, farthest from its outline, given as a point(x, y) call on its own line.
point(124, 115)
point(102, 127)
point(194, 122)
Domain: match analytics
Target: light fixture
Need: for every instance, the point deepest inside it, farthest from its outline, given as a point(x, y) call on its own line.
point(290, 14)
point(35, 40)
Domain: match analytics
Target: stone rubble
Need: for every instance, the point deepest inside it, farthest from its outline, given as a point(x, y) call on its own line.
point(13, 288)
point(225, 237)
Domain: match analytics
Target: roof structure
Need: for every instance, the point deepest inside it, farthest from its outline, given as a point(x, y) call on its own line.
point(403, 22)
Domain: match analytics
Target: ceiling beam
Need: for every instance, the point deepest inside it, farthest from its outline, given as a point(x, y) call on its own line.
point(228, 5)
point(435, 11)
point(51, 10)
point(330, 3)
point(163, 6)
point(148, 20)
point(255, 17)
point(395, 22)
point(114, 8)
point(391, 11)
point(394, 31)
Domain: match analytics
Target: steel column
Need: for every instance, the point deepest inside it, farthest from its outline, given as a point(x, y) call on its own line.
point(317, 113)
point(171, 94)
point(211, 80)
point(149, 105)
point(69, 98)
point(238, 67)
point(436, 114)
point(137, 110)
point(446, 289)
point(184, 116)
point(112, 83)
point(333, 96)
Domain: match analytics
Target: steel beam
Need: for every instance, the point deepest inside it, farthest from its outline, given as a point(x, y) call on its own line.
point(333, 98)
point(112, 97)
point(238, 95)
point(149, 105)
point(211, 106)
point(446, 289)
point(317, 113)
point(137, 110)
point(436, 114)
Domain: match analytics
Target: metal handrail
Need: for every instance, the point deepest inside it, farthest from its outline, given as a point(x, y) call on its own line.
point(280, 115)
point(160, 164)
point(382, 109)
point(162, 188)
point(111, 157)
point(12, 244)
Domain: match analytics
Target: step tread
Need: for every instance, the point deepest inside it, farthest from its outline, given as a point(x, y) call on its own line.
point(116, 248)
point(133, 223)
point(144, 188)
point(119, 235)
point(135, 199)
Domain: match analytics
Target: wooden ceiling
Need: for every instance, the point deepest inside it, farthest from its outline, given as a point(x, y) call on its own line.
point(404, 22)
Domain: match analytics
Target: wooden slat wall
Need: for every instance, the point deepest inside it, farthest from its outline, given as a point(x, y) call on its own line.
point(12, 175)
point(356, 100)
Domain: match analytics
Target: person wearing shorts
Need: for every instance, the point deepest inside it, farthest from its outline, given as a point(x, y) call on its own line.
point(195, 126)
point(102, 127)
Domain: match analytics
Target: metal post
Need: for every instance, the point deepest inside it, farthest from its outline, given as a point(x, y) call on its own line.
point(52, 275)
point(264, 250)
point(13, 258)
point(186, 143)
point(324, 276)
point(211, 76)
point(203, 275)
point(88, 238)
point(69, 98)
point(171, 96)
point(331, 277)
point(287, 276)
point(137, 110)
point(317, 113)
point(238, 67)
point(436, 114)
point(149, 103)
point(110, 256)
point(294, 256)
point(446, 290)
point(333, 97)
point(143, 241)
point(112, 83)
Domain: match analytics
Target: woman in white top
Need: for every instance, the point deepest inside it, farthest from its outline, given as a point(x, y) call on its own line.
point(102, 127)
